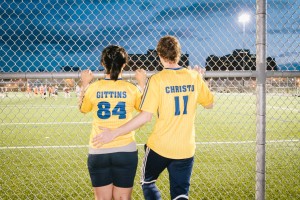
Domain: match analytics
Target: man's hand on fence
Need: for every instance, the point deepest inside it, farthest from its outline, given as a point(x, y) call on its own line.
point(199, 69)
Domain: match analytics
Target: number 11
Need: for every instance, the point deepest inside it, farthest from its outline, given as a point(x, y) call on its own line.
point(177, 107)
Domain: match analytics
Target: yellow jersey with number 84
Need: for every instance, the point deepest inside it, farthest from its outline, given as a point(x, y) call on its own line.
point(112, 104)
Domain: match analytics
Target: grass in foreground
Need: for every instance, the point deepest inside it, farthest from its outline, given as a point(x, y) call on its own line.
point(38, 160)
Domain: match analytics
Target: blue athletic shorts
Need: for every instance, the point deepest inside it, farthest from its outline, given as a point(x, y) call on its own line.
point(116, 168)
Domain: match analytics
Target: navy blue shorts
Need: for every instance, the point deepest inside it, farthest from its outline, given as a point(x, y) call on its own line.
point(113, 168)
point(180, 171)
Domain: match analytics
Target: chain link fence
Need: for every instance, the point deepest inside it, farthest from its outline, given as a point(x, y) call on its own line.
point(44, 45)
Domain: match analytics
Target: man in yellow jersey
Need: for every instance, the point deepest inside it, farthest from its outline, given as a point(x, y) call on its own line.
point(173, 95)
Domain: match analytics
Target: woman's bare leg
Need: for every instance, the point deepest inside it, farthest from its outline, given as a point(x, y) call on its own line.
point(104, 192)
point(122, 193)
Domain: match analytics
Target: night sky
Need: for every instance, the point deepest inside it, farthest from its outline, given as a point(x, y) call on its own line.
point(45, 35)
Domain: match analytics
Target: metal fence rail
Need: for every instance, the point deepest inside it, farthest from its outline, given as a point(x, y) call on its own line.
point(130, 74)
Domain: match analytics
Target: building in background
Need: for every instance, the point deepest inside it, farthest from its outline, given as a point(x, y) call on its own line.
point(240, 59)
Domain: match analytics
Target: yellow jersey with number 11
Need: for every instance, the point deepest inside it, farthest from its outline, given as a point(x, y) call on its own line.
point(173, 94)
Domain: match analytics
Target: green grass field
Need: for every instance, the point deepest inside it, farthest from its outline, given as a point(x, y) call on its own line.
point(43, 149)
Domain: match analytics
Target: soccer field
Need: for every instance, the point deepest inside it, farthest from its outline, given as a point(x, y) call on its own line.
point(43, 149)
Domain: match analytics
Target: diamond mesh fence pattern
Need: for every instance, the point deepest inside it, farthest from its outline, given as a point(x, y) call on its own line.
point(44, 44)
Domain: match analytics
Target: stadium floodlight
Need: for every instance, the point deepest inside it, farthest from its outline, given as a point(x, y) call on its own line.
point(244, 18)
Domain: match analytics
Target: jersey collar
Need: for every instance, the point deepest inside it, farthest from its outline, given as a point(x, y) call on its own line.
point(110, 79)
point(178, 68)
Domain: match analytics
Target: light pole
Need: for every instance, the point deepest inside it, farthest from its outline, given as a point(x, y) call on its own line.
point(244, 18)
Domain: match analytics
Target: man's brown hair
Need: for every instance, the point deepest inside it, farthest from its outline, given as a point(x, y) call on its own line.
point(168, 48)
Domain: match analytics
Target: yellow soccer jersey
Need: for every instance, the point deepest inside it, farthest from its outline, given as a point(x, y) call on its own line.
point(173, 94)
point(112, 104)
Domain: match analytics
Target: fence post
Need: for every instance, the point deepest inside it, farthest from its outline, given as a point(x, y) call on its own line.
point(261, 99)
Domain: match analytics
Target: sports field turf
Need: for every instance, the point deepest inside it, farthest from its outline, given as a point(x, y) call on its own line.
point(43, 149)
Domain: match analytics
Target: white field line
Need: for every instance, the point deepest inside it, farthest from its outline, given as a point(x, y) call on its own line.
point(44, 147)
point(66, 123)
point(37, 106)
point(85, 146)
point(68, 106)
point(43, 123)
point(284, 108)
point(246, 142)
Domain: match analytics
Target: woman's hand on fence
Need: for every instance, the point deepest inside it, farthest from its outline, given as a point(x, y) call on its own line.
point(86, 77)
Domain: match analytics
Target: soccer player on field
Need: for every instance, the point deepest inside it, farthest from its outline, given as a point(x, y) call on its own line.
point(50, 90)
point(45, 91)
point(42, 91)
point(36, 91)
point(112, 101)
point(55, 90)
point(77, 90)
point(173, 95)
point(28, 91)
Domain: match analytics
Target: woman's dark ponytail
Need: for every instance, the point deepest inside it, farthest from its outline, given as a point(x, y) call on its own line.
point(113, 58)
point(115, 70)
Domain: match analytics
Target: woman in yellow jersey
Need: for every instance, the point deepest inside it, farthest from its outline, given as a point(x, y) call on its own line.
point(112, 101)
point(173, 95)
